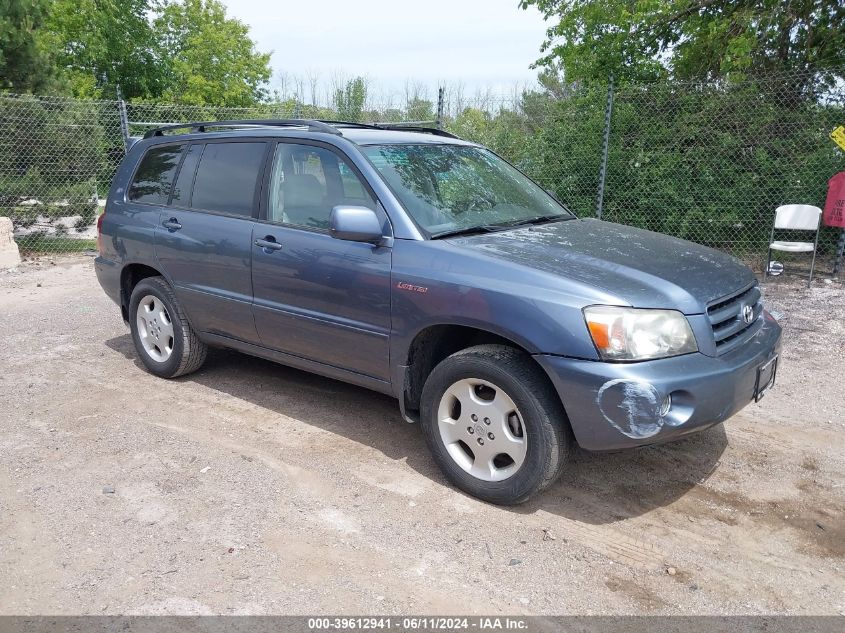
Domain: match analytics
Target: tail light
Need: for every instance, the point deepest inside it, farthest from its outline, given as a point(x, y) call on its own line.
point(100, 232)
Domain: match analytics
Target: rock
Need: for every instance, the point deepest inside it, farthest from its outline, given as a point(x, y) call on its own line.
point(205, 470)
point(10, 256)
point(671, 571)
point(693, 587)
point(108, 490)
point(547, 535)
point(514, 561)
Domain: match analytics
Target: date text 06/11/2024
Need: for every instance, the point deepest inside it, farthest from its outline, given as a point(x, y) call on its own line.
point(420, 623)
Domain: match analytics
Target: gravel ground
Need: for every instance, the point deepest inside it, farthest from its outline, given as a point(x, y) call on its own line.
point(251, 488)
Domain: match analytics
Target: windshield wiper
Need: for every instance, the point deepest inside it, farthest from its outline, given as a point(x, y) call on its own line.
point(540, 219)
point(503, 226)
point(469, 230)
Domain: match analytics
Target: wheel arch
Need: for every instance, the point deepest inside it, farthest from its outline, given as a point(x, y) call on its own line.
point(433, 343)
point(130, 275)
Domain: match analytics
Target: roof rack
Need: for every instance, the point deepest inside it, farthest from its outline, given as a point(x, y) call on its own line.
point(309, 124)
point(407, 126)
point(355, 124)
point(326, 126)
point(414, 126)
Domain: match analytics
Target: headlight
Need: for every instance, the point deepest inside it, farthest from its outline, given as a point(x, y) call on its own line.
point(634, 334)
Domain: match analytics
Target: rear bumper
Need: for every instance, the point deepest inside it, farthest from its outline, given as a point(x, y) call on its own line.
point(108, 274)
point(613, 405)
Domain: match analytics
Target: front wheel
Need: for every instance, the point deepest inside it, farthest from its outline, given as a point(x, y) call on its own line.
point(494, 424)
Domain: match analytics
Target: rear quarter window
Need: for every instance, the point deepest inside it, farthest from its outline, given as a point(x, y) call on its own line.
point(154, 177)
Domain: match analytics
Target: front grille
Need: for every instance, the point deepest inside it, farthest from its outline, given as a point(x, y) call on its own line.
point(730, 330)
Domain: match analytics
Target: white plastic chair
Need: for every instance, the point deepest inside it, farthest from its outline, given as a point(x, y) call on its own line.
point(795, 217)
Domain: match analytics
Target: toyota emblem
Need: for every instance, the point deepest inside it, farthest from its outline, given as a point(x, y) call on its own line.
point(748, 314)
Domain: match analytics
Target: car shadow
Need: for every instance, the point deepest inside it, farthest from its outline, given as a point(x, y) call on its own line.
point(596, 488)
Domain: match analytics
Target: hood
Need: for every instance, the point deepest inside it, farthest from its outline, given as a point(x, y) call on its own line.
point(641, 268)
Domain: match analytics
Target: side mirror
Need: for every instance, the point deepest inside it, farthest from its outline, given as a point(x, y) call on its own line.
point(355, 224)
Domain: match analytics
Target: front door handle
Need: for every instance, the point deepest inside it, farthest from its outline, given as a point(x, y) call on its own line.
point(268, 243)
point(172, 224)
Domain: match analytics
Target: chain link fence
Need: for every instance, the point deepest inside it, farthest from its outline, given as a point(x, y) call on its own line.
point(708, 162)
point(57, 158)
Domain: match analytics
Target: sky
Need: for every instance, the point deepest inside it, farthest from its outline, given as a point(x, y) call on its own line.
point(484, 44)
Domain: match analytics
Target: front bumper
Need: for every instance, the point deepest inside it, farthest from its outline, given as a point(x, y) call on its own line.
point(618, 405)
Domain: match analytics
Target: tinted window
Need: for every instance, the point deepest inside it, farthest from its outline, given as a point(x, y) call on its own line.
point(182, 188)
point(226, 178)
point(308, 182)
point(155, 175)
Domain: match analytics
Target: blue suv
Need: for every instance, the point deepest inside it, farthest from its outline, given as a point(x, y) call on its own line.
point(426, 267)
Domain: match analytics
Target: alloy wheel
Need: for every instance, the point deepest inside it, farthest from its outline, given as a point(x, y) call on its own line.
point(155, 328)
point(482, 429)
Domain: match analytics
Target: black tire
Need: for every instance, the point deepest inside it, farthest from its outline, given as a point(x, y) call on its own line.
point(546, 426)
point(189, 351)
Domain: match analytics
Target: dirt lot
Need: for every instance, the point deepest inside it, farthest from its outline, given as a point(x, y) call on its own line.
point(253, 488)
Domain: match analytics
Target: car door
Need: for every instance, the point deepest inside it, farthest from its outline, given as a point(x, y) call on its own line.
point(204, 241)
point(315, 296)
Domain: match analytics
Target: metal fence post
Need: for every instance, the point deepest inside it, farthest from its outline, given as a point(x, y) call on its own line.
point(439, 121)
point(840, 253)
point(124, 120)
point(603, 170)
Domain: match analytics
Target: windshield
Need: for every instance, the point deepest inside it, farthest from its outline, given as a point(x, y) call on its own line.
point(457, 188)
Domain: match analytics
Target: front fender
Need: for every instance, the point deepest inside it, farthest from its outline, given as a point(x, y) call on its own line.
point(433, 284)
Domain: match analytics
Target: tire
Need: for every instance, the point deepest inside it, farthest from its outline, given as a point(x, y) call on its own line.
point(487, 381)
point(167, 346)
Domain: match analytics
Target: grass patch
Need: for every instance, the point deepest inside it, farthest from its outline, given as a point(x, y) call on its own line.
point(33, 245)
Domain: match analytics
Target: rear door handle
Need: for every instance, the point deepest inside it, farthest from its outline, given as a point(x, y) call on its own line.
point(172, 224)
point(269, 244)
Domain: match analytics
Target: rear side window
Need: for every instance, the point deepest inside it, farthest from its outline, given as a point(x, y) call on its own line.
point(154, 177)
point(227, 176)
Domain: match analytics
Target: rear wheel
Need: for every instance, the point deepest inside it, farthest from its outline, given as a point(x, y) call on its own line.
point(494, 424)
point(163, 338)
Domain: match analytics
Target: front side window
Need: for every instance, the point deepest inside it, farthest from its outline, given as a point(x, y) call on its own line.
point(307, 182)
point(154, 177)
point(227, 176)
point(456, 188)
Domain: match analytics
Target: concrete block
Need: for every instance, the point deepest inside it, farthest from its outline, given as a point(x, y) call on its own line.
point(10, 257)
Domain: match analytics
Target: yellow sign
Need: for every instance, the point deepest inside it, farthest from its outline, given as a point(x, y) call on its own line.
point(838, 136)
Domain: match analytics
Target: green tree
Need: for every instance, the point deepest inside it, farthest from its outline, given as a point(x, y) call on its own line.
point(24, 64)
point(100, 44)
point(349, 102)
point(207, 58)
point(419, 109)
point(691, 39)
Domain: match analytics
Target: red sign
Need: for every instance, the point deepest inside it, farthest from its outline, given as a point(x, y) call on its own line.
point(834, 207)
